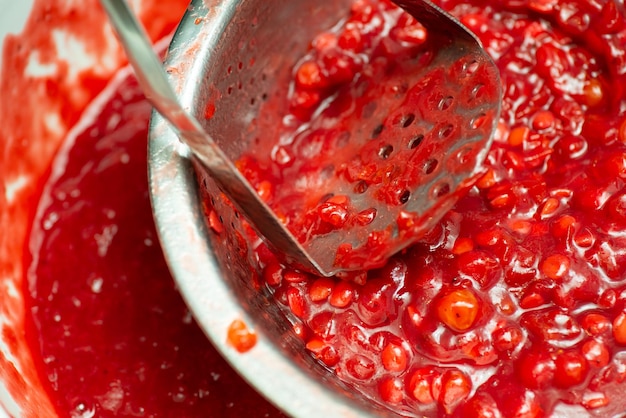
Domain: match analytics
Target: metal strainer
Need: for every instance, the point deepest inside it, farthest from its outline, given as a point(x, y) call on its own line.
point(229, 54)
point(446, 117)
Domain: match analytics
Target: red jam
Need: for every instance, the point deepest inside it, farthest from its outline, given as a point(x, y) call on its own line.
point(115, 337)
point(515, 304)
point(108, 331)
point(388, 124)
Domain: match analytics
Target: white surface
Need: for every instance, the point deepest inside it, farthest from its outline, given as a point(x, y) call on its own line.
point(13, 14)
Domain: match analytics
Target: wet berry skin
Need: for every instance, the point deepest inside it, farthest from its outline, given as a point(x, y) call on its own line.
point(513, 305)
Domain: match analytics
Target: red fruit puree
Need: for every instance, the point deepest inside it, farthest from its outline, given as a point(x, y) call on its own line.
point(113, 336)
point(515, 304)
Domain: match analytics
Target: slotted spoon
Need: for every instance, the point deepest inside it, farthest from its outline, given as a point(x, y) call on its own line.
point(456, 149)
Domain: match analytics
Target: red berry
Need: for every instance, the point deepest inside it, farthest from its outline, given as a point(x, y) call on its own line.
point(325, 353)
point(543, 120)
point(458, 309)
point(555, 266)
point(333, 214)
point(507, 338)
point(593, 400)
point(321, 289)
point(240, 336)
point(342, 294)
point(518, 136)
point(462, 245)
point(295, 276)
point(571, 147)
point(455, 388)
point(535, 369)
point(375, 305)
point(324, 41)
point(480, 266)
point(351, 38)
point(296, 302)
point(595, 324)
point(424, 385)
point(619, 328)
point(571, 369)
point(309, 75)
point(481, 405)
point(394, 357)
point(596, 353)
point(323, 324)
point(360, 367)
point(391, 390)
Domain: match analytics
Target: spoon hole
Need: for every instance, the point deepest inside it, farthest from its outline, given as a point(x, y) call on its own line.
point(445, 131)
point(360, 187)
point(478, 121)
point(445, 103)
point(464, 155)
point(377, 131)
point(385, 151)
point(430, 165)
point(369, 109)
point(404, 120)
point(416, 141)
point(470, 67)
point(478, 91)
point(441, 190)
point(343, 139)
point(405, 196)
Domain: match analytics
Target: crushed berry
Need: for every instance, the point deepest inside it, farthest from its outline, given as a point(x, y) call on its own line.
point(513, 305)
point(113, 334)
point(240, 336)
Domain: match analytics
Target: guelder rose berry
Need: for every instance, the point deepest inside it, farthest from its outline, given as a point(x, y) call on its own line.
point(514, 303)
point(458, 309)
point(240, 337)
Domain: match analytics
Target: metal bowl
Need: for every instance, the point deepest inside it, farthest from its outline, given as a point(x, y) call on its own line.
point(227, 55)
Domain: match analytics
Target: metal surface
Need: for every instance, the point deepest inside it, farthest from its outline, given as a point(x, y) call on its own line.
point(157, 89)
point(228, 55)
point(426, 202)
point(425, 145)
point(216, 286)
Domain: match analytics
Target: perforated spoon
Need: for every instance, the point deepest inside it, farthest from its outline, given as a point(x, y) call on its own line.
point(456, 149)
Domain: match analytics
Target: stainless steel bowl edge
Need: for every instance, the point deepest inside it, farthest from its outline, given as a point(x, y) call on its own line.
point(209, 277)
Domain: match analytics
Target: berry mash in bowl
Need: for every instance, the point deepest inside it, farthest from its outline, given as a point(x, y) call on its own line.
point(92, 324)
point(513, 306)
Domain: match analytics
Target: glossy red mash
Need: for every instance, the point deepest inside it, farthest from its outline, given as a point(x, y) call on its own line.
point(115, 336)
point(515, 304)
point(108, 331)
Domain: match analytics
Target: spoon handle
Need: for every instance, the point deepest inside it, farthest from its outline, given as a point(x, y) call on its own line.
point(155, 85)
point(153, 81)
